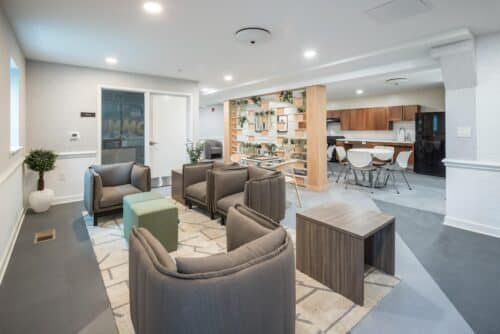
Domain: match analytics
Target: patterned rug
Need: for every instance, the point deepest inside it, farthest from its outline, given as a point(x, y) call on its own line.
point(319, 309)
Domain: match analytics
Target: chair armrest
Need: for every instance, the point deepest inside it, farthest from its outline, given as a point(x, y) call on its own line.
point(92, 185)
point(267, 195)
point(140, 177)
point(228, 181)
point(194, 173)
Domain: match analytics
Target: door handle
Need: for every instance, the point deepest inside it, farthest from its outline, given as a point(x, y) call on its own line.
point(153, 143)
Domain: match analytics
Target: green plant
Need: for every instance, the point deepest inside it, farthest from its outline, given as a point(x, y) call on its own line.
point(194, 151)
point(286, 96)
point(241, 120)
point(242, 104)
point(300, 110)
point(256, 100)
point(41, 161)
point(271, 149)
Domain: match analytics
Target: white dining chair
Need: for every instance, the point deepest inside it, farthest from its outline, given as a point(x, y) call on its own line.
point(400, 165)
point(362, 162)
point(342, 158)
point(287, 169)
point(383, 158)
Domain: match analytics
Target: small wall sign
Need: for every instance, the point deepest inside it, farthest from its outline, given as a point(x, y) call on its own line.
point(87, 114)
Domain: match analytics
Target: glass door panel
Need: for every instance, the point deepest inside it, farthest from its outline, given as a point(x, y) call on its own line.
point(122, 131)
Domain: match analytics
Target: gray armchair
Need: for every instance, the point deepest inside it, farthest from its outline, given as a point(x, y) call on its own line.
point(250, 289)
point(197, 183)
point(106, 185)
point(260, 189)
point(213, 149)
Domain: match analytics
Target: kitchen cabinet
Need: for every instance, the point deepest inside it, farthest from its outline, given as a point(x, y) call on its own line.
point(357, 119)
point(410, 112)
point(345, 120)
point(376, 119)
point(395, 114)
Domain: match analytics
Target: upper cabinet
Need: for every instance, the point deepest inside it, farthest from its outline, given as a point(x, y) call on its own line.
point(377, 118)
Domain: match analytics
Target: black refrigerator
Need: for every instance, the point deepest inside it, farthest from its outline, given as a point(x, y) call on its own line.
point(430, 143)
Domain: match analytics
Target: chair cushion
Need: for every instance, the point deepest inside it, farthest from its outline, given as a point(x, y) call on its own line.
point(112, 196)
point(242, 229)
point(226, 202)
point(198, 191)
point(244, 254)
point(114, 174)
point(257, 172)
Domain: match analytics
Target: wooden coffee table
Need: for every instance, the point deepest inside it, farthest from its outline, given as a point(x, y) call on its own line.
point(335, 241)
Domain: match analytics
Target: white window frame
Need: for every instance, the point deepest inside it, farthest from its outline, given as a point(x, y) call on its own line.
point(15, 98)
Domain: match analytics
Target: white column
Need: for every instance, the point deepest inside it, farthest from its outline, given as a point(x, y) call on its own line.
point(471, 72)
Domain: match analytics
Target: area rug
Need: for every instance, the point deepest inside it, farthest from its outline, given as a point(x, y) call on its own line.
point(319, 309)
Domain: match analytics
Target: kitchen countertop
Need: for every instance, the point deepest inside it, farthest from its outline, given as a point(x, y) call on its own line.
point(378, 141)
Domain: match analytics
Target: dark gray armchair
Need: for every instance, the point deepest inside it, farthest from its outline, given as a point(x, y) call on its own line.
point(106, 185)
point(250, 289)
point(197, 183)
point(260, 189)
point(213, 149)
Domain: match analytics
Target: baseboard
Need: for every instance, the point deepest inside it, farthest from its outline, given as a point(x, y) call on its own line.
point(67, 199)
point(4, 262)
point(471, 226)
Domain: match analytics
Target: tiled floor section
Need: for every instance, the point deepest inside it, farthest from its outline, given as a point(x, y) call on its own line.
point(319, 309)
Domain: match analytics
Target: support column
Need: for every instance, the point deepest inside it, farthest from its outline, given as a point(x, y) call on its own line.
point(317, 178)
point(227, 131)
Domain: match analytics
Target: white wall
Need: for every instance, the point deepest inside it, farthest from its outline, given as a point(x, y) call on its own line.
point(56, 96)
point(212, 122)
point(432, 99)
point(11, 197)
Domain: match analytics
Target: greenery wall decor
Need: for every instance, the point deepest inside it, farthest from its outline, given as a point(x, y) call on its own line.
point(286, 96)
point(256, 100)
point(241, 120)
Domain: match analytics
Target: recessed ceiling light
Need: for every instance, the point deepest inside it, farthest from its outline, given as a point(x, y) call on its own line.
point(152, 7)
point(228, 77)
point(309, 54)
point(359, 91)
point(111, 60)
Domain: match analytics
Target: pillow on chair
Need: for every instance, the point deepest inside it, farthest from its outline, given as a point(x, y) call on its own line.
point(244, 254)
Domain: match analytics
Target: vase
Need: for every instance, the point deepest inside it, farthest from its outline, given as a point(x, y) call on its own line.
point(41, 200)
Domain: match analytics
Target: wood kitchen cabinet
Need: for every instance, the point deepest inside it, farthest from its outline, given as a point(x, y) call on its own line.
point(410, 112)
point(376, 119)
point(357, 119)
point(395, 113)
point(345, 120)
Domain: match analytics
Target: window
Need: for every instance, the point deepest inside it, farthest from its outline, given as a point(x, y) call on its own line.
point(14, 106)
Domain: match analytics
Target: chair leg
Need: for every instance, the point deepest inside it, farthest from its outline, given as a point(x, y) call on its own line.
point(95, 218)
point(346, 177)
point(298, 194)
point(190, 204)
point(404, 176)
point(394, 182)
point(342, 170)
point(212, 215)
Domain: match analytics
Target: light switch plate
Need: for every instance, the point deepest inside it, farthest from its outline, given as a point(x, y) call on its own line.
point(464, 132)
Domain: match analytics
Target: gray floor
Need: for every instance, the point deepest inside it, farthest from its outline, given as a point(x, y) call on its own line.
point(64, 273)
point(463, 264)
point(54, 287)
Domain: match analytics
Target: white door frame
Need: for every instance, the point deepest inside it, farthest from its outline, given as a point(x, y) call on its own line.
point(147, 94)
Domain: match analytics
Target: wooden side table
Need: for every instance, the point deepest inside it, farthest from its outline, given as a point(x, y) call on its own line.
point(177, 186)
point(336, 240)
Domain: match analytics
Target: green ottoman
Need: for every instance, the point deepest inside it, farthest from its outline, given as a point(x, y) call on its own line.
point(158, 216)
point(127, 210)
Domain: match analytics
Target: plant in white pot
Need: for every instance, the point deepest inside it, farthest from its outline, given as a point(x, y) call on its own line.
point(41, 161)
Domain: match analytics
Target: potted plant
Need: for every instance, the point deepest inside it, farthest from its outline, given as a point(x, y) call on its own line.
point(41, 161)
point(286, 96)
point(242, 104)
point(194, 151)
point(256, 100)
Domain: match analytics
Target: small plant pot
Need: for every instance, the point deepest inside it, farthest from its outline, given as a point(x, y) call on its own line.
point(40, 201)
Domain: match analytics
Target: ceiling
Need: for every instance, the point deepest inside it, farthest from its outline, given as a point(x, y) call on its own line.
point(193, 39)
point(377, 85)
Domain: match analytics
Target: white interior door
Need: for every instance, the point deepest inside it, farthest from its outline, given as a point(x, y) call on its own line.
point(168, 133)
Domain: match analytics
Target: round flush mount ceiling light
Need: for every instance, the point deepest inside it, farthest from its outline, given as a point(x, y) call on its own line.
point(359, 91)
point(228, 77)
point(152, 7)
point(310, 54)
point(111, 60)
point(396, 81)
point(252, 35)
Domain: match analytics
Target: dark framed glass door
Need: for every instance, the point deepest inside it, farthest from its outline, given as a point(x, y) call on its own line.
point(122, 126)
